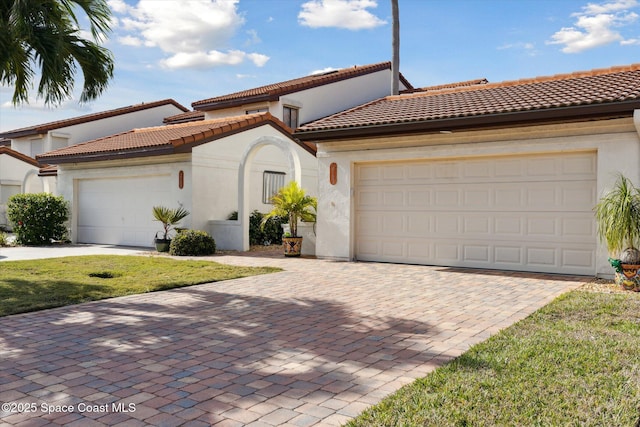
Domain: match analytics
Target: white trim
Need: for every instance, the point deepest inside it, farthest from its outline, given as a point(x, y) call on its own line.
point(244, 178)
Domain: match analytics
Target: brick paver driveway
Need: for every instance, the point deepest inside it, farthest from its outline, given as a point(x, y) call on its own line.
point(314, 345)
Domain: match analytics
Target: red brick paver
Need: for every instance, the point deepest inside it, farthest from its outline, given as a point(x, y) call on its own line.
point(313, 345)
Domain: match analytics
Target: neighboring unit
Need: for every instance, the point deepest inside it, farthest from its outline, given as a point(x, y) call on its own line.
point(501, 176)
point(20, 172)
point(14, 167)
point(231, 154)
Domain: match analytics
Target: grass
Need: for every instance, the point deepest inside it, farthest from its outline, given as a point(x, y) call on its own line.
point(575, 362)
point(38, 284)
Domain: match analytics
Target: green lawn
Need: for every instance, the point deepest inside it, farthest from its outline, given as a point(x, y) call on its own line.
point(575, 362)
point(39, 284)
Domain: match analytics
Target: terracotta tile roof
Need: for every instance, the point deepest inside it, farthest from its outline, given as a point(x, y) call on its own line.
point(17, 155)
point(272, 92)
point(553, 94)
point(46, 127)
point(189, 116)
point(49, 170)
point(168, 139)
point(449, 86)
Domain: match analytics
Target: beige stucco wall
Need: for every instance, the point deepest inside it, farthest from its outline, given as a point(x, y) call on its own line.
point(94, 129)
point(616, 142)
point(321, 101)
point(215, 173)
point(210, 176)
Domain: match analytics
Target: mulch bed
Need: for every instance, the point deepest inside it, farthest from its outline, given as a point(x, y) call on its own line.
point(603, 286)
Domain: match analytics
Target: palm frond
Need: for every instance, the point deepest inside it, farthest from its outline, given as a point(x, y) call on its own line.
point(618, 216)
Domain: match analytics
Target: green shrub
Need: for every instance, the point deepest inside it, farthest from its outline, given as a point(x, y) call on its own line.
point(270, 235)
point(38, 219)
point(192, 243)
point(4, 239)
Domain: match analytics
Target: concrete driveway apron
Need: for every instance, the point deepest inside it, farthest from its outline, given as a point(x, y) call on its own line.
point(313, 345)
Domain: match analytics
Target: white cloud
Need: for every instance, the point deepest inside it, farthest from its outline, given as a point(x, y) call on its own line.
point(194, 33)
point(213, 58)
point(630, 42)
point(596, 25)
point(118, 6)
point(37, 104)
point(253, 37)
point(130, 41)
point(349, 14)
point(614, 6)
point(528, 48)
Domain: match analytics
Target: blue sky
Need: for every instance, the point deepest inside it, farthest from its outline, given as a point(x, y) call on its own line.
point(192, 50)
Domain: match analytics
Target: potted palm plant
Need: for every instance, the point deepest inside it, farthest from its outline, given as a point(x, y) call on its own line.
point(618, 219)
point(293, 203)
point(169, 219)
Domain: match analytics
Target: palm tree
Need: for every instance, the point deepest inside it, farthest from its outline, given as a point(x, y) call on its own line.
point(292, 202)
point(43, 36)
point(169, 218)
point(618, 218)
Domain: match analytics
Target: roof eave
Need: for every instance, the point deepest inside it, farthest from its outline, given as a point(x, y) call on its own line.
point(110, 155)
point(219, 105)
point(23, 133)
point(583, 112)
point(19, 156)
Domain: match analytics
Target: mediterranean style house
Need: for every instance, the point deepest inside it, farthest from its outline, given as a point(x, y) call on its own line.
point(230, 154)
point(500, 176)
point(19, 170)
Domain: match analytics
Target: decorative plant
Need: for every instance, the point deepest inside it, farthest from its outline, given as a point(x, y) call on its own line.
point(618, 218)
point(38, 219)
point(192, 243)
point(268, 234)
point(292, 202)
point(169, 217)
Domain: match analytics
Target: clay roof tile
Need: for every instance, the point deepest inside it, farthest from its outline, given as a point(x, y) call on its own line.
point(465, 100)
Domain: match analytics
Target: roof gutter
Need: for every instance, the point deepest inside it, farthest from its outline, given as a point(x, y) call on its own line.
point(209, 106)
point(109, 155)
point(582, 112)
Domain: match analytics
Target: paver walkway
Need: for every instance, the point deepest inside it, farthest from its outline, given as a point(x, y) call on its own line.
point(313, 345)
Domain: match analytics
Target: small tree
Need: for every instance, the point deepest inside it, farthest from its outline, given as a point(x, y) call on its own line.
point(38, 219)
point(169, 218)
point(618, 218)
point(291, 202)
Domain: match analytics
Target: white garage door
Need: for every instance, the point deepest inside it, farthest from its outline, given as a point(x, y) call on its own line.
point(528, 213)
point(119, 211)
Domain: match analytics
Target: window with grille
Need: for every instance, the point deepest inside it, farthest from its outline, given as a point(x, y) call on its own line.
point(271, 183)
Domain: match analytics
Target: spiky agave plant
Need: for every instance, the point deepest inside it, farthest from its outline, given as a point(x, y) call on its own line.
point(618, 219)
point(292, 202)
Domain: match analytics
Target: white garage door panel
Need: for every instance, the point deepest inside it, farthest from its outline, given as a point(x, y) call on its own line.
point(521, 213)
point(118, 211)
